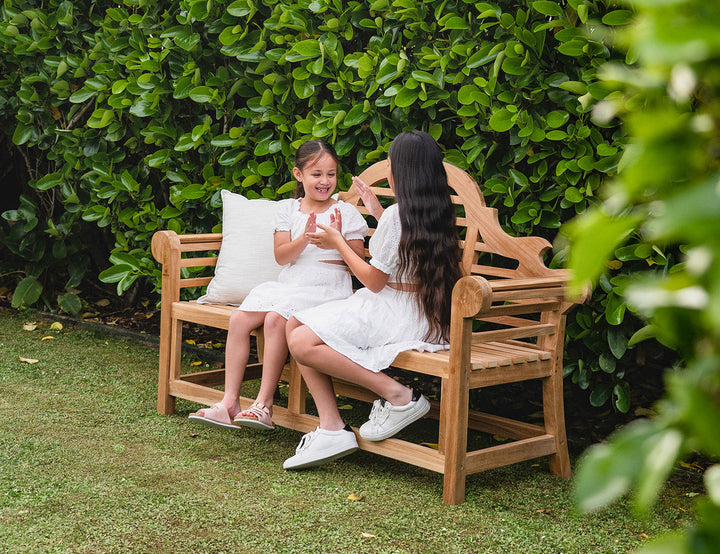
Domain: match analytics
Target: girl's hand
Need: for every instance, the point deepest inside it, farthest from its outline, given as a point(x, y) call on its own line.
point(368, 198)
point(336, 220)
point(328, 238)
point(311, 225)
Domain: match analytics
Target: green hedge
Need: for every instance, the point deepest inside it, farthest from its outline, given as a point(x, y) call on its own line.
point(132, 116)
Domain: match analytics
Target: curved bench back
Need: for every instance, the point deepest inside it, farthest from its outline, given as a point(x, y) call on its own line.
point(481, 236)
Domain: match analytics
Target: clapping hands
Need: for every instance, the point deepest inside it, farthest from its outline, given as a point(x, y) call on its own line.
point(328, 236)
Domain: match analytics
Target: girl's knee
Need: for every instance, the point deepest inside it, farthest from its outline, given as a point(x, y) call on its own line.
point(302, 342)
point(274, 323)
point(242, 322)
point(236, 319)
point(290, 328)
point(296, 344)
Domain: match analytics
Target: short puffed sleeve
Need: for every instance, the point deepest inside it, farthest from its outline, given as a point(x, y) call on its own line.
point(385, 241)
point(283, 216)
point(354, 225)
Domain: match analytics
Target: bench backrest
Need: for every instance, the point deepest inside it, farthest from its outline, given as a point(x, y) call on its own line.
point(487, 249)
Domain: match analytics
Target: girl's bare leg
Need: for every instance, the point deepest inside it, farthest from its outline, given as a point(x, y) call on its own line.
point(237, 353)
point(274, 357)
point(318, 361)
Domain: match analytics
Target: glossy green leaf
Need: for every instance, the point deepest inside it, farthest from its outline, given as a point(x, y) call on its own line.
point(49, 181)
point(618, 17)
point(22, 134)
point(70, 303)
point(502, 120)
point(405, 97)
point(548, 8)
point(27, 292)
point(115, 273)
point(201, 94)
point(557, 118)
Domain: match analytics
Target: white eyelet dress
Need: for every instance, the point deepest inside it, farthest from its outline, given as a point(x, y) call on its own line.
point(307, 281)
point(373, 328)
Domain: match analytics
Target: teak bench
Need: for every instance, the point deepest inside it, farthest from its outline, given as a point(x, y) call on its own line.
point(507, 326)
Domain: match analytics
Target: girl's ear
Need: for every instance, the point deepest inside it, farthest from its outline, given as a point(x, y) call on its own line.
point(297, 174)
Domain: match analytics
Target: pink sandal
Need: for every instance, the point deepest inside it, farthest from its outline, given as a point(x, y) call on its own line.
point(216, 416)
point(256, 416)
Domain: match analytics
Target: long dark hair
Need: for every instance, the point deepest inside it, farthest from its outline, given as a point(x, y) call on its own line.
point(429, 250)
point(309, 152)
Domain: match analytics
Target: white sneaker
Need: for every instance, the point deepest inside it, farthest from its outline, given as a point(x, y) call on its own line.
point(320, 447)
point(386, 419)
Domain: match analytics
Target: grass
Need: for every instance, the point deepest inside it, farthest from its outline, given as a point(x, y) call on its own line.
point(87, 465)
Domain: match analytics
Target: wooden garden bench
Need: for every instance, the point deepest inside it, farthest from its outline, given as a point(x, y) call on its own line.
point(507, 326)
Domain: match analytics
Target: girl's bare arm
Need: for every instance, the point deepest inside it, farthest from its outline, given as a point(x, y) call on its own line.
point(287, 250)
point(370, 276)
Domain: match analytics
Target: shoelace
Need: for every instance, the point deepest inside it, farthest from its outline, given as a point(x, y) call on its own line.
point(305, 441)
point(379, 412)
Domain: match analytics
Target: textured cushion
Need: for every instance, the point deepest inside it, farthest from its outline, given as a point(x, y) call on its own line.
point(246, 256)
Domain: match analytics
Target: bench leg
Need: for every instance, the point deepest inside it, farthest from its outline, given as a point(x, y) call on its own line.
point(452, 442)
point(297, 392)
point(170, 357)
point(554, 413)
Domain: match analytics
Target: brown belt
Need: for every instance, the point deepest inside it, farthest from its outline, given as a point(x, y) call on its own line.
point(403, 287)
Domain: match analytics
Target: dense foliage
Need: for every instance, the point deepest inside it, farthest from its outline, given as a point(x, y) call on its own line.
point(128, 117)
point(667, 191)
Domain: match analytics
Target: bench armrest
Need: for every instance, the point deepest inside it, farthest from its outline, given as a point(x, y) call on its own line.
point(474, 295)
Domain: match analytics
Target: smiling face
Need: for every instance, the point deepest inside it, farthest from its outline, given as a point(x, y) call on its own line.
point(318, 177)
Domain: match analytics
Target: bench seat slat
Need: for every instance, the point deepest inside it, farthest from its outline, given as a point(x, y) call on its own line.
point(514, 333)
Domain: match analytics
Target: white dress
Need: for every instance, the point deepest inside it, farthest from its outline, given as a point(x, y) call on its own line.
point(373, 328)
point(308, 280)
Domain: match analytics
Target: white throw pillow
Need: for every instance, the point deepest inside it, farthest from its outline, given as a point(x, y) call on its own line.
point(246, 256)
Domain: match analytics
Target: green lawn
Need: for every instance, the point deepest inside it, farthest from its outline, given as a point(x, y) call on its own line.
point(87, 465)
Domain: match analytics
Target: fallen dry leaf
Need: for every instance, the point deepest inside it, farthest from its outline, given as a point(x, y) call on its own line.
point(189, 341)
point(195, 363)
point(102, 303)
point(30, 326)
point(345, 407)
point(367, 536)
point(544, 511)
point(56, 326)
point(432, 445)
point(354, 496)
point(48, 338)
point(29, 360)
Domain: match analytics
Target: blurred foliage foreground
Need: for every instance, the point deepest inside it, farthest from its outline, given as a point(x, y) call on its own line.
point(118, 119)
point(669, 191)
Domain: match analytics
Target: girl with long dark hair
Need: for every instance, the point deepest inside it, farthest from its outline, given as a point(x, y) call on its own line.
point(405, 305)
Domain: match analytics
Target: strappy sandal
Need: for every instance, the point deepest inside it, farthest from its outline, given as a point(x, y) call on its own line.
point(256, 416)
point(215, 416)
